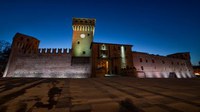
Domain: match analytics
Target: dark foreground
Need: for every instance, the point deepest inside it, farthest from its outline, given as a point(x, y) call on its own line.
point(116, 94)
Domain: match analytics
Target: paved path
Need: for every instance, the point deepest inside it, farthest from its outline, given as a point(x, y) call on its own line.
point(115, 94)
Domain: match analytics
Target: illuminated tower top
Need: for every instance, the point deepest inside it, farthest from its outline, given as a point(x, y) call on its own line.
point(83, 24)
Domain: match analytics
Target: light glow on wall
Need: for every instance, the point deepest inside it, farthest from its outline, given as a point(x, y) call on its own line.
point(123, 57)
point(76, 72)
point(103, 56)
point(196, 73)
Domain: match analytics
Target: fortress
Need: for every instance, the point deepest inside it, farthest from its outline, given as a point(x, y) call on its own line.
point(91, 59)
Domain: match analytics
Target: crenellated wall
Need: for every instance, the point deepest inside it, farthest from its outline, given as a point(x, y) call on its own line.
point(54, 51)
point(27, 60)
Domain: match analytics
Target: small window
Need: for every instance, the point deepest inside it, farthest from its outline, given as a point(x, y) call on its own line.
point(146, 61)
point(172, 63)
point(140, 59)
point(78, 42)
point(153, 61)
point(163, 62)
point(142, 67)
point(83, 52)
point(88, 34)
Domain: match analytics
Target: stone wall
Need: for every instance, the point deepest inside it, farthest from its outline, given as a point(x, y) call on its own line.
point(155, 66)
point(49, 66)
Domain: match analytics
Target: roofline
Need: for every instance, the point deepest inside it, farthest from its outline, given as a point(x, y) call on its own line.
point(83, 18)
point(179, 53)
point(112, 43)
point(25, 35)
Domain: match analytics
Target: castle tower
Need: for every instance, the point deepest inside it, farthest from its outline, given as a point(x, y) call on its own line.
point(22, 45)
point(83, 33)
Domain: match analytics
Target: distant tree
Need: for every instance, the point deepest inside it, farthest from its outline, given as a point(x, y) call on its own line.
point(5, 48)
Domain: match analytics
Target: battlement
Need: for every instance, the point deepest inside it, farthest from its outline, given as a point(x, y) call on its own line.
point(54, 51)
point(84, 21)
point(83, 24)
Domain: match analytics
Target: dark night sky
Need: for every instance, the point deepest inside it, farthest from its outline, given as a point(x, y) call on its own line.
point(154, 26)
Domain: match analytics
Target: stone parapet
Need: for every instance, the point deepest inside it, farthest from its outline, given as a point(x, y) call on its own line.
point(53, 51)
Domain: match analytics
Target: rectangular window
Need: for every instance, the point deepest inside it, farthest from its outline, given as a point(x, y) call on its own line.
point(153, 61)
point(142, 67)
point(140, 59)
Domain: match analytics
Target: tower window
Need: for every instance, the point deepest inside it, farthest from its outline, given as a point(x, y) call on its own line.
point(88, 34)
point(78, 42)
point(83, 52)
point(142, 67)
point(146, 61)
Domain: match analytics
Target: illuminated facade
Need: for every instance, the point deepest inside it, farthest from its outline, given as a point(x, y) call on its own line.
point(196, 70)
point(154, 66)
point(83, 33)
point(90, 59)
point(109, 58)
